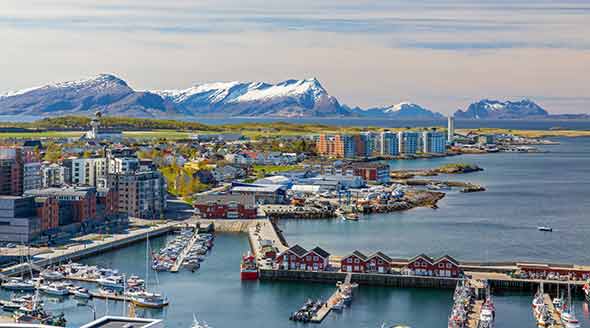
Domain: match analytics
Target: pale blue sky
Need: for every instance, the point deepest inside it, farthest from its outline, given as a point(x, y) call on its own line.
point(442, 54)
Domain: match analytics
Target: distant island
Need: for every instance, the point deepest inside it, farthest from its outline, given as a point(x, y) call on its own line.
point(305, 98)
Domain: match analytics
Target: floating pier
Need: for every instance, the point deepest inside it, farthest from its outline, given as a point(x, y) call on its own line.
point(180, 260)
point(323, 312)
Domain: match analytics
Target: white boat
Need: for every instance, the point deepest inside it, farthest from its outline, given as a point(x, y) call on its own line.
point(112, 282)
point(52, 275)
point(81, 293)
point(338, 306)
point(568, 313)
point(18, 284)
point(55, 289)
point(545, 228)
point(199, 324)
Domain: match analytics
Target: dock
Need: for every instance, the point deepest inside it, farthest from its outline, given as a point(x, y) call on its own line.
point(475, 314)
point(121, 298)
point(265, 232)
point(556, 319)
point(178, 264)
point(323, 312)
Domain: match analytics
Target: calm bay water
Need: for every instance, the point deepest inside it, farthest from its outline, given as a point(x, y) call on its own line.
point(524, 190)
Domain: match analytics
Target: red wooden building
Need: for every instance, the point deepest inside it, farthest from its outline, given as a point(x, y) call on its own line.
point(355, 262)
point(378, 262)
point(226, 207)
point(316, 259)
point(291, 258)
point(446, 266)
point(421, 265)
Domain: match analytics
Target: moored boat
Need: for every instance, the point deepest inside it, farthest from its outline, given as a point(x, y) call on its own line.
point(149, 300)
point(18, 285)
point(55, 289)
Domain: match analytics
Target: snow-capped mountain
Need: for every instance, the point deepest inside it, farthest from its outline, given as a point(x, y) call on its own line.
point(494, 109)
point(402, 111)
point(291, 98)
point(104, 92)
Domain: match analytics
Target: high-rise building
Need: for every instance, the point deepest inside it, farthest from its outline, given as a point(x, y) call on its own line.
point(450, 129)
point(388, 143)
point(85, 171)
point(408, 142)
point(141, 194)
point(433, 142)
point(18, 219)
point(341, 146)
point(53, 175)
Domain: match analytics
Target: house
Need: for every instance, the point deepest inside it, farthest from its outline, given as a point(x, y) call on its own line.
point(378, 262)
point(421, 265)
point(291, 258)
point(316, 259)
point(446, 266)
point(355, 262)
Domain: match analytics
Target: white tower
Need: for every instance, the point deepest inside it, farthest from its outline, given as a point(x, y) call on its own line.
point(450, 129)
point(95, 124)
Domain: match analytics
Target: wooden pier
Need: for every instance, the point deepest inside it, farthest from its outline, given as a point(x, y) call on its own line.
point(178, 264)
point(474, 314)
point(551, 309)
point(323, 312)
point(121, 298)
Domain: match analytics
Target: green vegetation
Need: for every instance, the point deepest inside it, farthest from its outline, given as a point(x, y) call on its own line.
point(182, 182)
point(261, 171)
point(458, 168)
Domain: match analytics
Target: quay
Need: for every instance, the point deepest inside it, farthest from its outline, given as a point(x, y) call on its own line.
point(551, 309)
point(296, 212)
point(78, 251)
point(474, 314)
point(178, 264)
point(263, 233)
point(100, 295)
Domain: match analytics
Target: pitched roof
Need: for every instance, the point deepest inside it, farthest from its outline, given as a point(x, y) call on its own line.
point(320, 251)
point(447, 257)
point(297, 250)
point(423, 256)
point(382, 256)
point(358, 254)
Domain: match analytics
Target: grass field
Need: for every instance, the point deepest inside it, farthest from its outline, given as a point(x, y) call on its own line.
point(267, 169)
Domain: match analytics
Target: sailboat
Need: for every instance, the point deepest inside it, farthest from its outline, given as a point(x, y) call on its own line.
point(568, 314)
point(144, 298)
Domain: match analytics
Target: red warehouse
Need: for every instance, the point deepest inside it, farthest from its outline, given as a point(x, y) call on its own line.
point(226, 206)
point(421, 265)
point(446, 266)
point(291, 258)
point(316, 259)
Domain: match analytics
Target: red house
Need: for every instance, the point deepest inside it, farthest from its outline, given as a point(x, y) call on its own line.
point(421, 265)
point(378, 262)
point(355, 262)
point(316, 259)
point(292, 258)
point(446, 266)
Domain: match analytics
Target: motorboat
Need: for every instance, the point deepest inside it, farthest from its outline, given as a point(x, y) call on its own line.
point(18, 285)
point(55, 289)
point(81, 293)
point(111, 282)
point(52, 275)
point(339, 306)
point(545, 228)
point(199, 324)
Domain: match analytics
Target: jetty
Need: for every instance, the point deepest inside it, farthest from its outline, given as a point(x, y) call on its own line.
point(265, 233)
point(180, 260)
point(323, 312)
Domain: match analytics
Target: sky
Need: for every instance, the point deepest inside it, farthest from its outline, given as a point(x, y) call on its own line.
point(440, 54)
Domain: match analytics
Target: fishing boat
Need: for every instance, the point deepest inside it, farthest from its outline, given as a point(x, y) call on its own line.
point(248, 267)
point(487, 315)
point(18, 285)
point(545, 228)
point(149, 300)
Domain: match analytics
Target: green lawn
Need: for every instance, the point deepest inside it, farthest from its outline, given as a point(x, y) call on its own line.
point(269, 169)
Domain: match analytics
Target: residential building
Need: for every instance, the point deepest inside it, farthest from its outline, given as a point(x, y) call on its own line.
point(48, 212)
point(141, 194)
point(10, 177)
point(339, 146)
point(226, 206)
point(32, 176)
point(371, 171)
point(408, 142)
point(379, 263)
point(18, 219)
point(316, 259)
point(76, 204)
point(433, 142)
point(291, 258)
point(389, 144)
point(85, 171)
point(444, 266)
point(122, 165)
point(52, 175)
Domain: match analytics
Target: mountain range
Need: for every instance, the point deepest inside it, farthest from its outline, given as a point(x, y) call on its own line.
point(291, 98)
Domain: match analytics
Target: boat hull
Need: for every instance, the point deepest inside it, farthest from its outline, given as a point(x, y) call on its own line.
point(249, 275)
point(149, 305)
